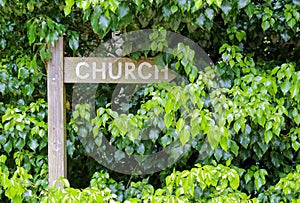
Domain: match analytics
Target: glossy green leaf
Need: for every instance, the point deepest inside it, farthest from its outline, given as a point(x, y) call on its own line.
point(184, 136)
point(180, 124)
point(240, 35)
point(28, 89)
point(268, 136)
point(32, 33)
point(237, 126)
point(242, 3)
point(20, 144)
point(74, 41)
point(209, 13)
point(265, 25)
point(7, 147)
point(234, 148)
point(69, 4)
point(168, 118)
point(285, 86)
point(226, 7)
point(213, 136)
point(33, 144)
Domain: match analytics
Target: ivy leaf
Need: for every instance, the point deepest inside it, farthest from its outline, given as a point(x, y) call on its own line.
point(168, 118)
point(213, 137)
point(28, 89)
point(122, 125)
point(159, 61)
point(98, 140)
point(296, 145)
point(257, 151)
point(31, 33)
point(218, 3)
point(240, 35)
point(210, 2)
point(133, 134)
point(198, 3)
point(242, 3)
point(74, 41)
point(103, 22)
point(70, 148)
point(100, 22)
point(153, 134)
point(165, 140)
point(294, 90)
point(2, 87)
point(244, 141)
point(119, 155)
point(209, 13)
point(218, 153)
point(268, 136)
point(248, 129)
point(140, 149)
point(226, 7)
point(33, 144)
point(296, 2)
point(129, 150)
point(179, 124)
point(174, 9)
point(234, 148)
point(234, 180)
point(184, 135)
point(2, 139)
point(285, 86)
point(259, 178)
point(123, 10)
point(166, 12)
point(248, 176)
point(23, 73)
point(67, 8)
point(200, 20)
point(229, 118)
point(224, 143)
point(291, 23)
point(258, 181)
point(45, 54)
point(265, 25)
point(20, 144)
point(276, 159)
point(237, 126)
point(8, 147)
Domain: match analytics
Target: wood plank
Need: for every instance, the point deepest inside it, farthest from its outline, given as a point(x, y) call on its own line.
point(114, 70)
point(57, 160)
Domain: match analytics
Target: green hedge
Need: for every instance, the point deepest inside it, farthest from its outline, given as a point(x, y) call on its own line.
point(244, 144)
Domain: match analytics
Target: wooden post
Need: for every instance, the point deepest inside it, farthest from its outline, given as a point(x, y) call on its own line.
point(57, 160)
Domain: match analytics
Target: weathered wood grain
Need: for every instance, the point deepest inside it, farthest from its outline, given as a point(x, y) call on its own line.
point(57, 159)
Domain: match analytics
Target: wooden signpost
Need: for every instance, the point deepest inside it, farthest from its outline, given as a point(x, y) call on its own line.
point(63, 70)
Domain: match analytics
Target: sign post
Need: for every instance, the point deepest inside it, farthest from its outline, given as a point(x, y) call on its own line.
point(57, 158)
point(86, 70)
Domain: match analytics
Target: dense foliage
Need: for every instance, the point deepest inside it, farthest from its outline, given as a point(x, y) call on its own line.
point(248, 127)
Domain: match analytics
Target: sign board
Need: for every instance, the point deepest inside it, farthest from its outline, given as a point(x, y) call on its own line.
point(114, 70)
point(63, 70)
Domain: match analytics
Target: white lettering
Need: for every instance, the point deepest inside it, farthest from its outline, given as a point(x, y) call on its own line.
point(86, 75)
point(121, 70)
point(129, 71)
point(119, 74)
point(102, 70)
point(140, 71)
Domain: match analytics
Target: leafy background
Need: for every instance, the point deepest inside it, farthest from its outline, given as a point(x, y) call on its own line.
point(253, 149)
